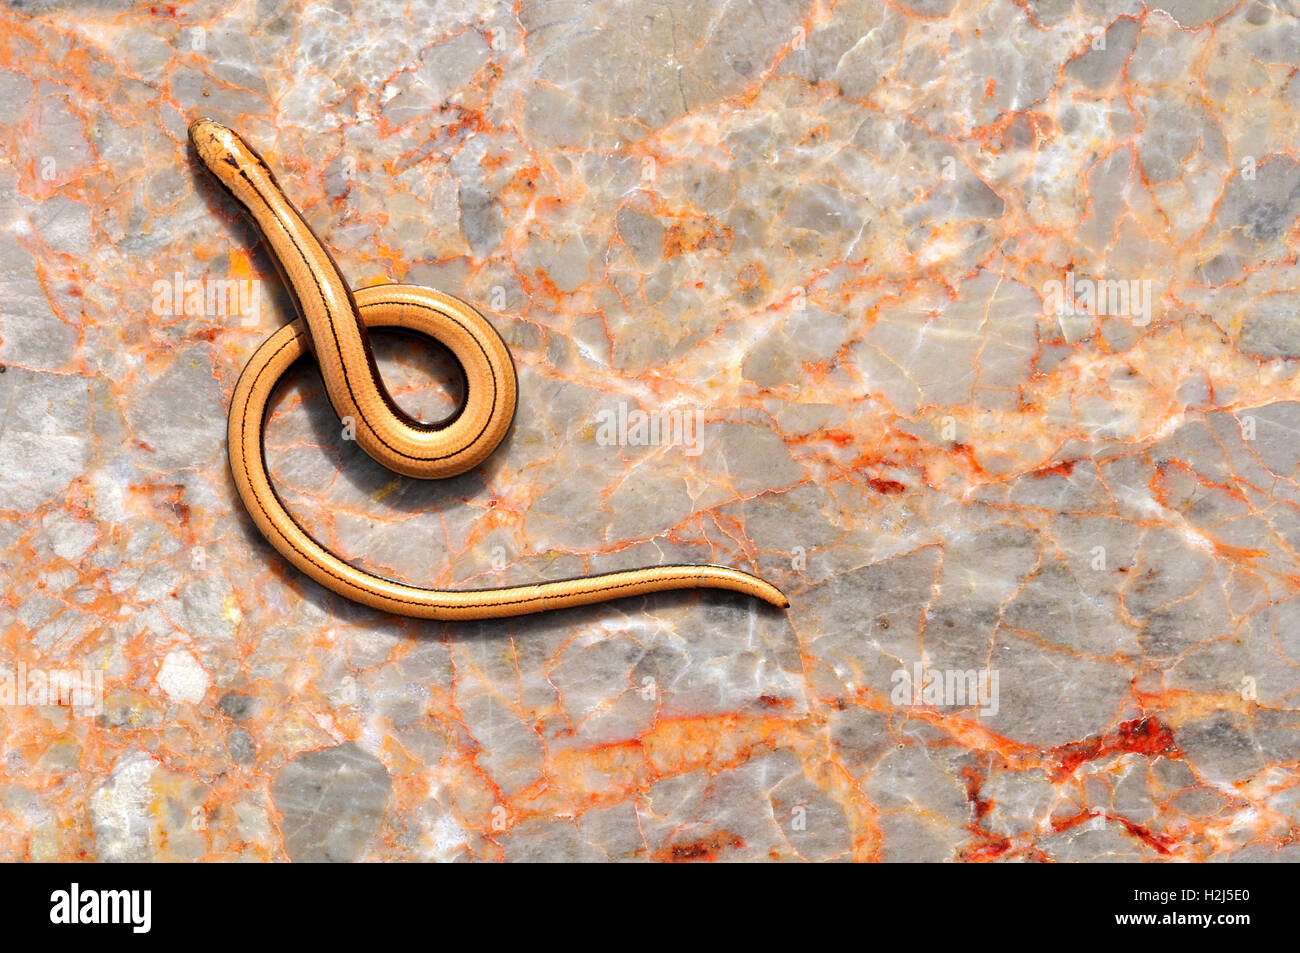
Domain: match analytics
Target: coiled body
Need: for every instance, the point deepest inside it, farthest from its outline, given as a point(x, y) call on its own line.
point(332, 328)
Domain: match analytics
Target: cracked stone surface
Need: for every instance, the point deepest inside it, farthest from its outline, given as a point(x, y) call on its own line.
point(986, 313)
point(331, 801)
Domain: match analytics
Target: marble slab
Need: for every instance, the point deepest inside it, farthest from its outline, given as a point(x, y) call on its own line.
point(977, 321)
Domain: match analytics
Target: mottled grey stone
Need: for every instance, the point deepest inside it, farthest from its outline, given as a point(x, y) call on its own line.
point(15, 94)
point(45, 440)
point(910, 778)
point(119, 810)
point(1260, 854)
point(64, 224)
point(1049, 698)
point(1101, 63)
point(1259, 211)
point(1172, 130)
point(643, 234)
point(1272, 327)
point(1195, 13)
point(909, 838)
point(929, 8)
point(511, 749)
point(1019, 801)
point(813, 823)
point(481, 222)
point(1222, 746)
point(756, 457)
point(448, 66)
point(331, 803)
point(33, 335)
point(734, 815)
point(778, 358)
point(1106, 841)
point(860, 737)
point(1169, 570)
point(868, 620)
point(240, 745)
point(181, 415)
point(600, 835)
point(551, 843)
point(47, 6)
point(236, 706)
point(646, 506)
point(641, 68)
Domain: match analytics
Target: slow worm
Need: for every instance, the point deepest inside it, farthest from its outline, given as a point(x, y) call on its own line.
point(332, 327)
